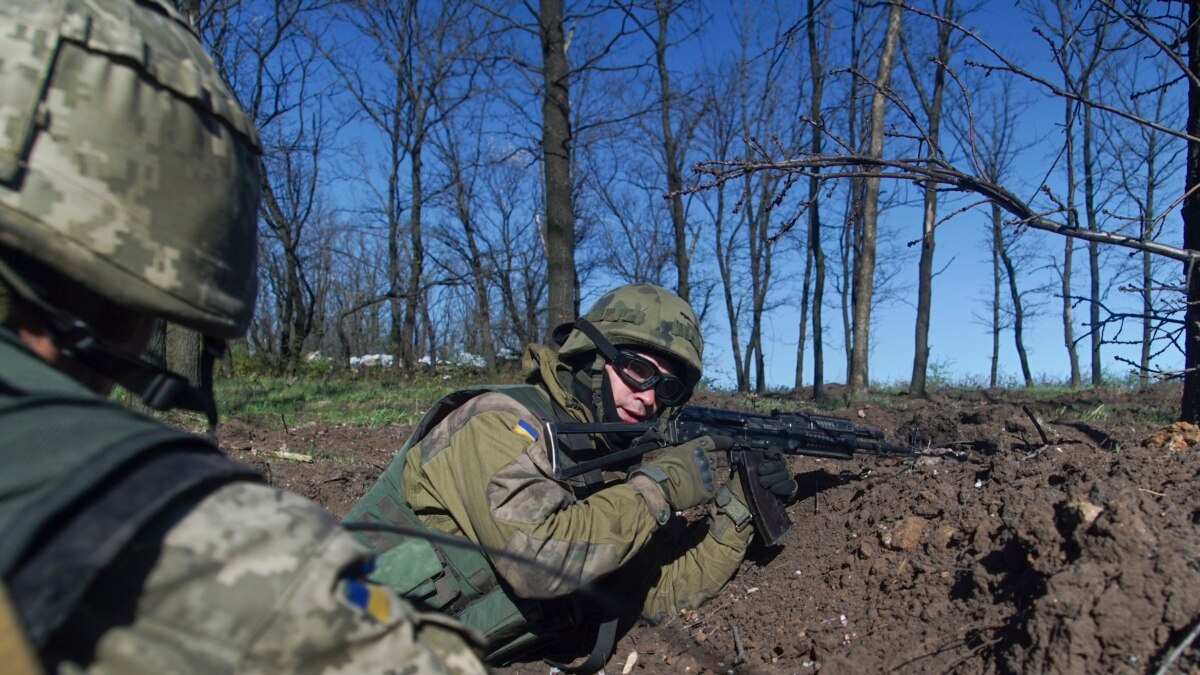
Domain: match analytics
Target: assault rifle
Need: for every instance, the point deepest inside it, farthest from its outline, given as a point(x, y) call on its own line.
point(753, 434)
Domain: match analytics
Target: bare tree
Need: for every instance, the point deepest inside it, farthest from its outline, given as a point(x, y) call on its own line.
point(931, 104)
point(1147, 161)
point(426, 68)
point(852, 216)
point(1191, 217)
point(755, 93)
point(461, 158)
point(638, 249)
point(676, 129)
point(1077, 44)
point(1165, 30)
point(993, 140)
point(814, 260)
point(357, 293)
point(519, 274)
point(559, 226)
point(719, 130)
point(865, 241)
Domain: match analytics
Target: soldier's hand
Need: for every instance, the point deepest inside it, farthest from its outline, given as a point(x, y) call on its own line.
point(775, 475)
point(684, 472)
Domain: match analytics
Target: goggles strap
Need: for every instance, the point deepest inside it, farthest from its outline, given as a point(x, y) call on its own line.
point(605, 352)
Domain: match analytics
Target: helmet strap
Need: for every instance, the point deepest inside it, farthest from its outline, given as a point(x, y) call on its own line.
point(157, 387)
point(597, 386)
point(604, 348)
point(605, 353)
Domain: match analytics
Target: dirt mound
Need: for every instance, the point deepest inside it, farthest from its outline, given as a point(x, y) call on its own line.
point(1036, 536)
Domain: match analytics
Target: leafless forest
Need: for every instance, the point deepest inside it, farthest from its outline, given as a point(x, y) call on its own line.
point(448, 177)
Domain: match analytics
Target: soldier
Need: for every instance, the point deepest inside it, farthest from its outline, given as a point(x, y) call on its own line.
point(129, 189)
point(478, 466)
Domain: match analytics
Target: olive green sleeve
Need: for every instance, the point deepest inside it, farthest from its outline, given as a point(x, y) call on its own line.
point(694, 571)
point(484, 472)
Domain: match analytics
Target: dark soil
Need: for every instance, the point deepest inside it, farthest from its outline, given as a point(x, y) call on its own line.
point(1008, 549)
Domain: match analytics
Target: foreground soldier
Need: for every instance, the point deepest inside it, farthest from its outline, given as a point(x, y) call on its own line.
point(128, 194)
point(478, 466)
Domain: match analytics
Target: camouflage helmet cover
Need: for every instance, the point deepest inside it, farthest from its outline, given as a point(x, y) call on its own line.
point(643, 316)
point(125, 162)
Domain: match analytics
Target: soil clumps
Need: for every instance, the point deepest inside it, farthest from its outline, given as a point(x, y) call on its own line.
point(1037, 535)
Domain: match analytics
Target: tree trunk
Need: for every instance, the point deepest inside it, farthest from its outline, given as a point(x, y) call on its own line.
point(1093, 248)
point(917, 384)
point(1147, 293)
point(672, 155)
point(289, 298)
point(1017, 304)
point(1068, 318)
point(725, 269)
point(864, 253)
point(997, 279)
point(475, 259)
point(556, 164)
point(761, 252)
point(1190, 407)
point(802, 328)
point(416, 254)
point(814, 214)
point(850, 228)
point(395, 319)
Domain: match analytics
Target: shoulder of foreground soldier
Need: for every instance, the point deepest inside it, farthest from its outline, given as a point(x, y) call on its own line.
point(251, 580)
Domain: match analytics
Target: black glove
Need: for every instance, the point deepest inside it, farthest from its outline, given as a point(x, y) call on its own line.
point(775, 475)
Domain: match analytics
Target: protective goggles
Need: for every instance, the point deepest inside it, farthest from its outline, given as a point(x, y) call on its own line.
point(637, 371)
point(641, 374)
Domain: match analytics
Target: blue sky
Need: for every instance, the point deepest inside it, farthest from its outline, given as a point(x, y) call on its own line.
point(960, 344)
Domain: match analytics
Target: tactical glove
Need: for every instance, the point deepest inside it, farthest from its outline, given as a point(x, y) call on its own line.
point(684, 472)
point(775, 475)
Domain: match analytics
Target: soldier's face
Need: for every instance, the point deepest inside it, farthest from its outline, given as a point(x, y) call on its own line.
point(633, 405)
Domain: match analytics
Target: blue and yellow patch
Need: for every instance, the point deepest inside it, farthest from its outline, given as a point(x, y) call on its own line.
point(523, 428)
point(371, 599)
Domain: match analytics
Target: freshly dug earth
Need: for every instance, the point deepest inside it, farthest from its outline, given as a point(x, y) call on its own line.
point(1037, 535)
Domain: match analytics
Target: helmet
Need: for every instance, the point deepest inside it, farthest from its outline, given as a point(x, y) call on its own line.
point(125, 162)
point(643, 316)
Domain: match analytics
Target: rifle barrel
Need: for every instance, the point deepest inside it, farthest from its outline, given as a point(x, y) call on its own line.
point(800, 433)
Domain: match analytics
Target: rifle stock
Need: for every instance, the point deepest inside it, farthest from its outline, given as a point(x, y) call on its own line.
point(792, 433)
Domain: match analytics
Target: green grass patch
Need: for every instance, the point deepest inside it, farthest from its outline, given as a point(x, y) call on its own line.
point(342, 399)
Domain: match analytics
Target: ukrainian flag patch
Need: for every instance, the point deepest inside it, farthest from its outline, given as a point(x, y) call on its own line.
point(370, 599)
point(526, 429)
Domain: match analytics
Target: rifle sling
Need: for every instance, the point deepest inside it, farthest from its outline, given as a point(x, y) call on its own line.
point(607, 460)
point(606, 638)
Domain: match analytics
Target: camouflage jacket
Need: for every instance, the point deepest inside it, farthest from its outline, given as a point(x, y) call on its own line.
point(484, 473)
point(235, 577)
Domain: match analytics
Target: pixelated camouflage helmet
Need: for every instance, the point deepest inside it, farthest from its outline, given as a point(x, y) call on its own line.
point(642, 316)
point(125, 162)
